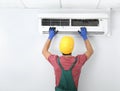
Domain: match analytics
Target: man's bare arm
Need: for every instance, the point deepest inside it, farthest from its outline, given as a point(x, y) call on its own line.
point(52, 33)
point(89, 48)
point(88, 45)
point(45, 51)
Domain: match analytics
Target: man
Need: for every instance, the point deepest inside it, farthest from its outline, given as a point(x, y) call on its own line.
point(67, 67)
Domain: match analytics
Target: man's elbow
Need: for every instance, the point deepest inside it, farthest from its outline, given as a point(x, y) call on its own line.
point(43, 52)
point(92, 51)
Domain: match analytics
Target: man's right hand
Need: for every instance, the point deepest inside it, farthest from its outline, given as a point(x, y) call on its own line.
point(52, 32)
point(83, 33)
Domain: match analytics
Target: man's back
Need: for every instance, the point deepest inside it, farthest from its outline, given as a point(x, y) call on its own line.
point(66, 63)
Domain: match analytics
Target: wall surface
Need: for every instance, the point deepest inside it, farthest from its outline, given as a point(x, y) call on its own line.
point(23, 68)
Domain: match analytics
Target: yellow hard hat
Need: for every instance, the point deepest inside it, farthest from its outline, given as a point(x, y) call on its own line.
point(66, 44)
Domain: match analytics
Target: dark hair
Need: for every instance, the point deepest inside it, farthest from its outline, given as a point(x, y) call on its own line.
point(66, 54)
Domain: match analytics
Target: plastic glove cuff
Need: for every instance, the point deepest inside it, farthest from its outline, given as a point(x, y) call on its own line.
point(50, 37)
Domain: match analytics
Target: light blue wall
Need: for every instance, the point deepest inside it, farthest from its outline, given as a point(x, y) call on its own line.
point(23, 68)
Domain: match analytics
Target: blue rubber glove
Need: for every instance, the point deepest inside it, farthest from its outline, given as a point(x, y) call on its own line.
point(83, 33)
point(52, 32)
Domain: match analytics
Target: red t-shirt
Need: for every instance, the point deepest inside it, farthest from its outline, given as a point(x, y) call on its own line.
point(66, 63)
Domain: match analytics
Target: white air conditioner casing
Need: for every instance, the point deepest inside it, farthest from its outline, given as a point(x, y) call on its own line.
point(103, 16)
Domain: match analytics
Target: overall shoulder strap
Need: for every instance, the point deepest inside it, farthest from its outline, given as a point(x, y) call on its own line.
point(58, 61)
point(73, 63)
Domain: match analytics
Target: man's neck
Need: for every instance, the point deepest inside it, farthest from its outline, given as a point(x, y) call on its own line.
point(67, 55)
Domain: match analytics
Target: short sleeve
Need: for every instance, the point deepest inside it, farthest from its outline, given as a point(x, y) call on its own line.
point(82, 59)
point(52, 59)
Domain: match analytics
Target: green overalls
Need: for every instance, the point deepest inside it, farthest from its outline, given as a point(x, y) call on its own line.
point(66, 81)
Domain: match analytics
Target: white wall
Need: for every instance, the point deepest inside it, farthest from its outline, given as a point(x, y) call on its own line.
point(23, 68)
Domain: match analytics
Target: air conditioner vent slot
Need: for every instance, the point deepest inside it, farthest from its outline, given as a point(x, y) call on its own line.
point(84, 22)
point(55, 22)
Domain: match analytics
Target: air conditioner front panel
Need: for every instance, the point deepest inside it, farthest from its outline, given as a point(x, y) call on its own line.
point(97, 23)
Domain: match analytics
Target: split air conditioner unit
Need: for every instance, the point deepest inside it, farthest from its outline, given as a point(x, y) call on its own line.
point(96, 21)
